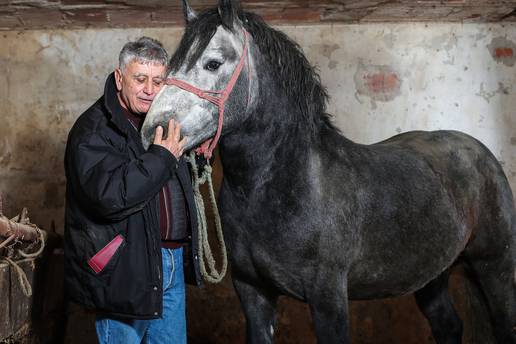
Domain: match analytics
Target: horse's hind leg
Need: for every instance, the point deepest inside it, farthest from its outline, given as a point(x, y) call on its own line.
point(496, 277)
point(329, 307)
point(435, 303)
point(260, 312)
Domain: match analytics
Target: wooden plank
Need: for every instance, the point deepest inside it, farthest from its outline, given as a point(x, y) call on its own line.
point(5, 323)
point(157, 13)
point(20, 303)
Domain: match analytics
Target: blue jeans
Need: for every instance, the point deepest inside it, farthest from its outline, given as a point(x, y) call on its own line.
point(171, 328)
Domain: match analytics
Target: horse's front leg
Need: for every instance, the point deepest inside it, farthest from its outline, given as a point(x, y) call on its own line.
point(259, 307)
point(329, 307)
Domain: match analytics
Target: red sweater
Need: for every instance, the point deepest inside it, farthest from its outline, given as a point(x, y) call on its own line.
point(173, 217)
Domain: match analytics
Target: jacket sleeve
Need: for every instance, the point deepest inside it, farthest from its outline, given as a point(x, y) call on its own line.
point(111, 184)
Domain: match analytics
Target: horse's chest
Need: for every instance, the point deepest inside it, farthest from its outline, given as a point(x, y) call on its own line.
point(276, 257)
point(271, 263)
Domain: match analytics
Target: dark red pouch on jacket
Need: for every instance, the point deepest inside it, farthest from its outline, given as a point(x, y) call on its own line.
point(99, 261)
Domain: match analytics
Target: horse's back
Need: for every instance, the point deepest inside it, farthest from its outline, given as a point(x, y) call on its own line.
point(425, 199)
point(470, 171)
point(466, 167)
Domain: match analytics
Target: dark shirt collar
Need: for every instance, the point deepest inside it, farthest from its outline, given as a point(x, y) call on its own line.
point(112, 104)
point(135, 120)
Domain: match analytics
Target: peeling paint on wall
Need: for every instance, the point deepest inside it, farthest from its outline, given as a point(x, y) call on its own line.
point(380, 83)
point(502, 89)
point(502, 50)
point(327, 50)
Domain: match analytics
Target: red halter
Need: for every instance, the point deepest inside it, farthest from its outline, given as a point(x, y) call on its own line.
point(216, 97)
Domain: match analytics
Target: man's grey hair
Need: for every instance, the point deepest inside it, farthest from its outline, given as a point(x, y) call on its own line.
point(143, 50)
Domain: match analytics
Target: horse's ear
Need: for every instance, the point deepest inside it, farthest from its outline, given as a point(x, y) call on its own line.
point(228, 11)
point(188, 12)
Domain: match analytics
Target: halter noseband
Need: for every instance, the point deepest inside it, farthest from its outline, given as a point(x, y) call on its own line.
point(216, 97)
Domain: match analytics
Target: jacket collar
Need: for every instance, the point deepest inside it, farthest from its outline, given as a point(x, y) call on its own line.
point(112, 104)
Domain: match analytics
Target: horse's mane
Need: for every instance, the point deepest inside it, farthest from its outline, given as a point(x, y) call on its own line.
point(294, 73)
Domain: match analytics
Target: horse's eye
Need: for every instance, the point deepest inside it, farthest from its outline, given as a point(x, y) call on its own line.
point(212, 65)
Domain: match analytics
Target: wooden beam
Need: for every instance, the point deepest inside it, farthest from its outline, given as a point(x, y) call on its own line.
point(20, 230)
point(70, 14)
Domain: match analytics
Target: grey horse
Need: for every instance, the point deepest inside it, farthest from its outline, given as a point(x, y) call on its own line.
point(310, 214)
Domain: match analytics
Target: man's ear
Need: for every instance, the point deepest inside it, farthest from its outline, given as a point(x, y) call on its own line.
point(118, 79)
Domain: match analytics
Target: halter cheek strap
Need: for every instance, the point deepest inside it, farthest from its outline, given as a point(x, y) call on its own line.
point(216, 97)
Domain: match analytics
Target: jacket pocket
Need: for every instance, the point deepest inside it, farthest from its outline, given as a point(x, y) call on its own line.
point(99, 261)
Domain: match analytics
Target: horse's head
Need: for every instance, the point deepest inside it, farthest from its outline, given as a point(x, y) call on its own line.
point(213, 56)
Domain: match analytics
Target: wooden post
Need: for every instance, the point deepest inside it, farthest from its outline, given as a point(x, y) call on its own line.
point(17, 274)
point(21, 305)
point(17, 230)
point(5, 311)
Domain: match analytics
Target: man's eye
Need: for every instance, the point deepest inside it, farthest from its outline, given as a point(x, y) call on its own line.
point(140, 80)
point(158, 82)
point(212, 65)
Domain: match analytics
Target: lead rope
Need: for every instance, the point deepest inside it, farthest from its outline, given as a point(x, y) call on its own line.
point(205, 253)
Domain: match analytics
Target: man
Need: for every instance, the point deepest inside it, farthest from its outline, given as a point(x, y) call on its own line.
point(129, 212)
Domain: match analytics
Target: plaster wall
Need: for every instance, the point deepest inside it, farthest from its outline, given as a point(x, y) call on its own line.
point(383, 79)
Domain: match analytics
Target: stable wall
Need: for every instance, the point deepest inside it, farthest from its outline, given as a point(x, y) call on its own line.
point(383, 79)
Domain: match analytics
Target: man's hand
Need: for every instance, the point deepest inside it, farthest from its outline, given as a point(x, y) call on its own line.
point(172, 142)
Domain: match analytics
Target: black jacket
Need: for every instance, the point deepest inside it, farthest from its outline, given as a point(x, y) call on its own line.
point(112, 189)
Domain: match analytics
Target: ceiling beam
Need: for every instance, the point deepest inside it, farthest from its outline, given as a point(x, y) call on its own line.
point(75, 14)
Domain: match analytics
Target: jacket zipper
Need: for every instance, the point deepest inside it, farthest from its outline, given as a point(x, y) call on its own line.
point(154, 238)
point(153, 215)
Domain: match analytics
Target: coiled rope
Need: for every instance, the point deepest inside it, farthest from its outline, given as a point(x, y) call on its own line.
point(211, 274)
point(27, 257)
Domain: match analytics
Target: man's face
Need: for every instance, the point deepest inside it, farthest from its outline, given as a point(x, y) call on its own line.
point(138, 84)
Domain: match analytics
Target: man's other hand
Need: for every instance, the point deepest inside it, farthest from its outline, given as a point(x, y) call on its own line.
point(173, 141)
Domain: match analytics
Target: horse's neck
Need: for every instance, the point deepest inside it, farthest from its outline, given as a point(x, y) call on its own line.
point(255, 151)
point(263, 144)
point(270, 139)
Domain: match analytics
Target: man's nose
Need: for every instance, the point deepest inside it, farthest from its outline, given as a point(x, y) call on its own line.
point(149, 87)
